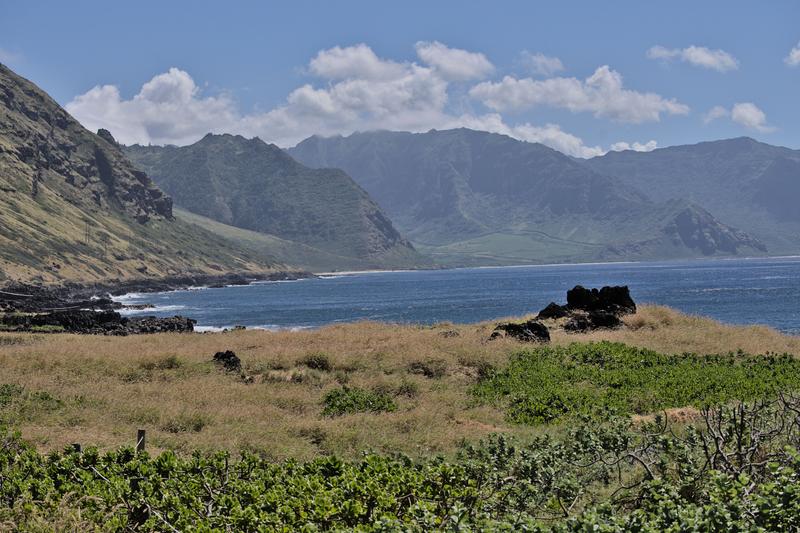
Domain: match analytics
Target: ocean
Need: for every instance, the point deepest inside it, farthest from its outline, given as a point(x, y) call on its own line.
point(735, 291)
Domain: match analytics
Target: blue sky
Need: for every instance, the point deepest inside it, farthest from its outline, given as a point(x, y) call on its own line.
point(583, 77)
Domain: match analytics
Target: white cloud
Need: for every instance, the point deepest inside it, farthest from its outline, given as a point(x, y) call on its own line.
point(699, 56)
point(361, 92)
point(749, 115)
point(541, 64)
point(601, 94)
point(7, 56)
point(649, 146)
point(550, 134)
point(167, 109)
point(714, 113)
point(793, 59)
point(357, 61)
point(453, 63)
point(746, 114)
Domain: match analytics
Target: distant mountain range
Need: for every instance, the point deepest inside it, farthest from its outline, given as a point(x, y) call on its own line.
point(470, 197)
point(75, 205)
point(744, 183)
point(256, 186)
point(72, 207)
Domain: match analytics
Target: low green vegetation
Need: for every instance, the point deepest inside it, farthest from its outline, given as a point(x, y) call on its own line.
point(347, 400)
point(734, 470)
point(316, 361)
point(548, 384)
point(430, 368)
point(578, 441)
point(17, 403)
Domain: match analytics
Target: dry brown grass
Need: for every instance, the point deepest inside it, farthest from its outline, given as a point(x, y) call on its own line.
point(167, 384)
point(668, 331)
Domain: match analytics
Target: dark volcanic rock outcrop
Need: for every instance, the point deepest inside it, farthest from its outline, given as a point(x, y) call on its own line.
point(616, 300)
point(582, 322)
point(94, 323)
point(590, 309)
point(228, 360)
point(553, 311)
point(530, 331)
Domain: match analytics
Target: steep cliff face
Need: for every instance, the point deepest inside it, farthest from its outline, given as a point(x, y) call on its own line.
point(73, 207)
point(52, 149)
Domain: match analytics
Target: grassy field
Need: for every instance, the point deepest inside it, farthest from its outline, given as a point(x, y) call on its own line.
point(417, 390)
point(465, 434)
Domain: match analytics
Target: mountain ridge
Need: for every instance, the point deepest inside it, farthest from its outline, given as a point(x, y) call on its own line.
point(455, 191)
point(256, 186)
point(745, 183)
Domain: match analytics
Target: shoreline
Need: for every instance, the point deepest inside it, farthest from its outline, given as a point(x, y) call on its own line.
point(537, 265)
point(95, 308)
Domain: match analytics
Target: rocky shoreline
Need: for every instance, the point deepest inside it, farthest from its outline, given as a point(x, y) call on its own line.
point(91, 309)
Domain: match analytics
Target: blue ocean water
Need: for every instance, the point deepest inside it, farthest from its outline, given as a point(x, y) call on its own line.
point(740, 291)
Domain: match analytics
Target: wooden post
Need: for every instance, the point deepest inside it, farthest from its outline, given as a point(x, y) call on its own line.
point(140, 436)
point(77, 447)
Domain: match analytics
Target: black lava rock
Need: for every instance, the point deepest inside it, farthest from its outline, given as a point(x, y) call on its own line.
point(583, 322)
point(615, 300)
point(228, 360)
point(530, 331)
point(552, 311)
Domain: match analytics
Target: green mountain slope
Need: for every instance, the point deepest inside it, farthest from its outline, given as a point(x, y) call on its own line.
point(257, 186)
point(72, 207)
point(279, 250)
point(745, 183)
point(469, 197)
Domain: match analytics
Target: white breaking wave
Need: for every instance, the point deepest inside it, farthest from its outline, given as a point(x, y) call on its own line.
point(127, 297)
point(262, 327)
point(154, 309)
point(208, 329)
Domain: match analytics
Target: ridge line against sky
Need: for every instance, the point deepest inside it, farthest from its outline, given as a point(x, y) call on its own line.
point(655, 89)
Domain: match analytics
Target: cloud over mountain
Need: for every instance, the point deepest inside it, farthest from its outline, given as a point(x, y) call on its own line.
point(746, 114)
point(601, 94)
point(453, 63)
point(354, 89)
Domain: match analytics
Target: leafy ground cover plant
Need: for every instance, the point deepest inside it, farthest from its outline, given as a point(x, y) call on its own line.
point(547, 384)
point(347, 400)
point(735, 469)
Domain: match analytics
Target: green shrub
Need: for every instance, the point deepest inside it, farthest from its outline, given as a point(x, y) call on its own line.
point(430, 368)
point(348, 400)
point(169, 362)
point(184, 423)
point(409, 389)
point(316, 361)
point(9, 392)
